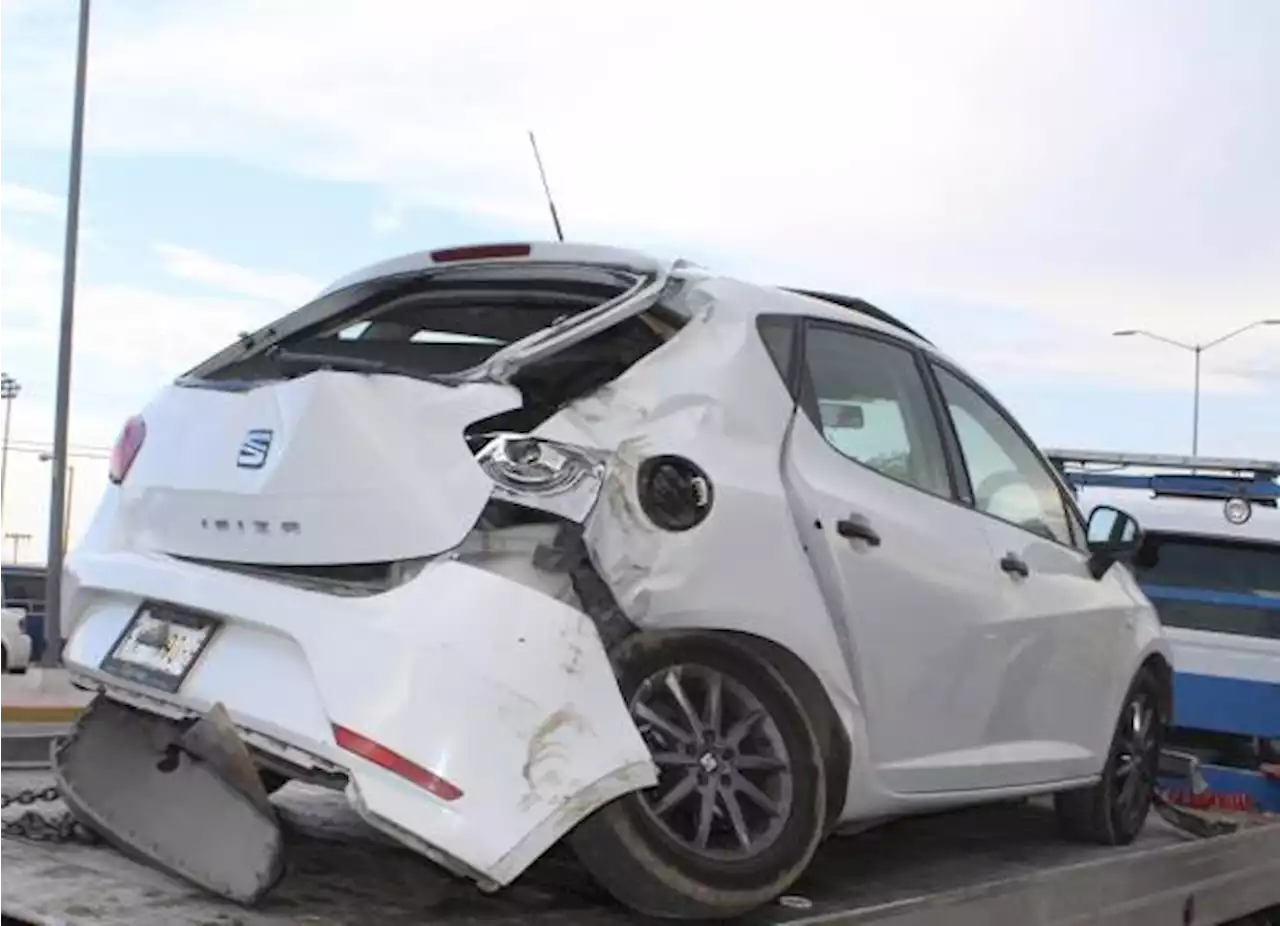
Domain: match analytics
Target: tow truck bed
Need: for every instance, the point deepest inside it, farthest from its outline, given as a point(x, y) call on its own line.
point(998, 864)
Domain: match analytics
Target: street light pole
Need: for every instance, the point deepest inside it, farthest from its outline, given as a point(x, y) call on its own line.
point(9, 389)
point(62, 406)
point(1195, 410)
point(1197, 350)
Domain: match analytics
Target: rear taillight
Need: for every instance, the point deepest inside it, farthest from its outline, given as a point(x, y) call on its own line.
point(126, 449)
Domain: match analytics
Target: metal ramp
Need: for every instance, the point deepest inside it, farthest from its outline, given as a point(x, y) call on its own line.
point(997, 864)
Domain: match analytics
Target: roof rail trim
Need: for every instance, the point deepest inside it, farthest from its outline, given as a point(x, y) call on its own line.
point(857, 305)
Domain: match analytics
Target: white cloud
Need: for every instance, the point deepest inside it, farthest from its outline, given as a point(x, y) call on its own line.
point(1094, 161)
point(129, 340)
point(27, 199)
point(285, 289)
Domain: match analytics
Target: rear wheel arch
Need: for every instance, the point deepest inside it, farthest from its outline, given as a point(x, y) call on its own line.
point(833, 737)
point(639, 860)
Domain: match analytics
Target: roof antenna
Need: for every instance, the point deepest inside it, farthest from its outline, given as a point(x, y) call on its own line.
point(551, 204)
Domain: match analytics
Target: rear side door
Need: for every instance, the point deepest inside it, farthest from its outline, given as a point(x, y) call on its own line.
point(906, 568)
point(1066, 632)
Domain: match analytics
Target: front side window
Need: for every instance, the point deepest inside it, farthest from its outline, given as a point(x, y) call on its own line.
point(869, 401)
point(1009, 481)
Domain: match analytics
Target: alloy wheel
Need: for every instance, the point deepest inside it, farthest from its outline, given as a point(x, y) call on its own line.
point(1137, 754)
point(726, 784)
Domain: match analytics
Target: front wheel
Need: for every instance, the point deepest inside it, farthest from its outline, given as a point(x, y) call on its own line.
point(740, 804)
point(1113, 811)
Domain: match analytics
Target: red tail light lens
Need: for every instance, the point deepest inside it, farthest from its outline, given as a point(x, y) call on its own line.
point(395, 763)
point(480, 252)
point(126, 449)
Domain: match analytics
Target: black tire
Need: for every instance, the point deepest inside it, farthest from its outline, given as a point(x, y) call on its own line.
point(1109, 813)
point(837, 752)
point(632, 848)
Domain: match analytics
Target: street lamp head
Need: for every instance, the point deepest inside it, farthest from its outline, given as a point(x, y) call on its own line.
point(1271, 321)
point(1128, 332)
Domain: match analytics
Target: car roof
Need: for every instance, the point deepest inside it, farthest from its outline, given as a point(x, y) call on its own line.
point(798, 301)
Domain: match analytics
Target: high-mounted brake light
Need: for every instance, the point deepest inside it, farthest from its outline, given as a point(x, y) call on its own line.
point(395, 763)
point(126, 449)
point(480, 252)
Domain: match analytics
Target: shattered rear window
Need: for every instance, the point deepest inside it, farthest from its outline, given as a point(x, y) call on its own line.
point(440, 324)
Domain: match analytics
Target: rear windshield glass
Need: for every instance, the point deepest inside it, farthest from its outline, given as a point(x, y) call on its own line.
point(1206, 577)
point(439, 325)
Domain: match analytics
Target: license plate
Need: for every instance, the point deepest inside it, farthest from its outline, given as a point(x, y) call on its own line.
point(160, 646)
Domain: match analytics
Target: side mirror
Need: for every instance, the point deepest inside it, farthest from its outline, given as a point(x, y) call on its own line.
point(1111, 535)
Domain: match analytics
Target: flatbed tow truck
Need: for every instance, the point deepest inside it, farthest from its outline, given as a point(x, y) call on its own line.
point(996, 864)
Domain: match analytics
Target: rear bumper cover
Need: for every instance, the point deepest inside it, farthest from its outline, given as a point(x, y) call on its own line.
point(500, 689)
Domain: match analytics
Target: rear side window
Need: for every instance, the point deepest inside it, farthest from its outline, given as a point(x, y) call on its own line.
point(867, 398)
point(779, 335)
point(1208, 584)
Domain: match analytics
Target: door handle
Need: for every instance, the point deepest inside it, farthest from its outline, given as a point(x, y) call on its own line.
point(1015, 565)
point(856, 527)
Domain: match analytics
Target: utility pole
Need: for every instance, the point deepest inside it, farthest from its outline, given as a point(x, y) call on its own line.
point(17, 540)
point(62, 406)
point(9, 389)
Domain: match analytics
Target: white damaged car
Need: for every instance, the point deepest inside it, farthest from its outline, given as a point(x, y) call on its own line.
point(525, 543)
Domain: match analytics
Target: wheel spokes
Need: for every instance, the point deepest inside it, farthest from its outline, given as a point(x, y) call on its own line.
point(743, 785)
point(706, 815)
point(715, 702)
point(739, 822)
point(738, 732)
point(696, 721)
point(675, 759)
point(682, 790)
point(649, 715)
point(681, 698)
point(759, 764)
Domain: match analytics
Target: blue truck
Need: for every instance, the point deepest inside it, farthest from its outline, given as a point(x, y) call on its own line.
point(1210, 563)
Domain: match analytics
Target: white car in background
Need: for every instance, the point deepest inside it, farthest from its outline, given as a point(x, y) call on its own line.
point(17, 644)
point(523, 543)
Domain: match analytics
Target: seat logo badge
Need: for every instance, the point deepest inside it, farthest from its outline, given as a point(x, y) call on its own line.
point(254, 449)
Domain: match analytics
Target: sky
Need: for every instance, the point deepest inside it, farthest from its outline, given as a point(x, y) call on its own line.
point(1014, 180)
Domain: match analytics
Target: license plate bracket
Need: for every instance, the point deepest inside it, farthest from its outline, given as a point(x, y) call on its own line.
point(160, 645)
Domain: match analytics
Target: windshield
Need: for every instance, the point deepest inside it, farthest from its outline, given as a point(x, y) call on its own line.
point(431, 326)
point(1205, 583)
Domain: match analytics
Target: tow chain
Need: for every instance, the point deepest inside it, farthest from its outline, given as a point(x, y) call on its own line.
point(40, 827)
